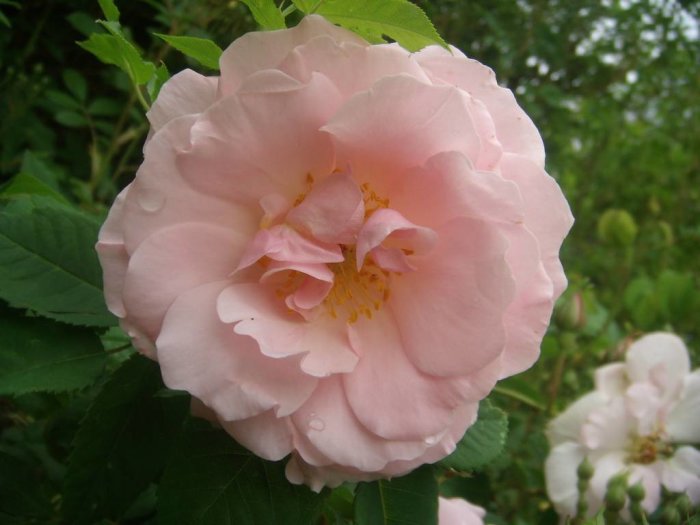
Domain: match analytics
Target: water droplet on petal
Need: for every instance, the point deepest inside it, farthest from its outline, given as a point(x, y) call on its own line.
point(150, 200)
point(317, 424)
point(431, 440)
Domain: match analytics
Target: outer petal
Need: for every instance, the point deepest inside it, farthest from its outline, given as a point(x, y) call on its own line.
point(403, 403)
point(560, 474)
point(159, 197)
point(611, 380)
point(527, 316)
point(648, 476)
point(186, 93)
point(400, 123)
point(681, 473)
point(330, 426)
point(456, 511)
point(514, 129)
point(661, 358)
point(172, 261)
point(263, 140)
point(260, 314)
point(447, 187)
point(113, 256)
point(350, 66)
point(605, 467)
point(608, 427)
point(202, 355)
point(683, 424)
point(256, 51)
point(467, 285)
point(567, 425)
point(266, 435)
point(547, 214)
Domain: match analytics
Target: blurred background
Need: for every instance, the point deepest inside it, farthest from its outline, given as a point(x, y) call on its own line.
point(613, 86)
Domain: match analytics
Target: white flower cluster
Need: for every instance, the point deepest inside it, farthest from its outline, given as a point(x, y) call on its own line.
point(641, 421)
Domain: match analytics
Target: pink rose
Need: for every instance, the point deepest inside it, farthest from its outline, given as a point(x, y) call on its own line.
point(456, 511)
point(338, 247)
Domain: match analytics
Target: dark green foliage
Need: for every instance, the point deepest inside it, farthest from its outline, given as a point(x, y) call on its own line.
point(123, 443)
point(211, 480)
point(408, 500)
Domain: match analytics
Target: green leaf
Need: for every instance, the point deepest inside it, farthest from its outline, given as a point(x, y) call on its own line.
point(202, 50)
point(110, 10)
point(116, 50)
point(213, 480)
point(409, 500)
point(71, 119)
point(26, 184)
point(306, 6)
point(62, 100)
point(161, 77)
point(48, 262)
point(398, 19)
point(104, 107)
point(122, 444)
point(40, 169)
point(40, 355)
point(483, 441)
point(76, 83)
point(266, 13)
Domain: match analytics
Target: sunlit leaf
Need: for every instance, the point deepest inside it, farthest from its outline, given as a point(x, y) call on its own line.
point(202, 50)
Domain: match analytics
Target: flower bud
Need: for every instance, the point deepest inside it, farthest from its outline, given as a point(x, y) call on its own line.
point(636, 492)
point(684, 505)
point(615, 497)
point(670, 516)
point(570, 313)
point(617, 227)
point(585, 470)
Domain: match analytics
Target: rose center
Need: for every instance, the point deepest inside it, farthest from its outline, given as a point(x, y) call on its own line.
point(647, 449)
point(354, 292)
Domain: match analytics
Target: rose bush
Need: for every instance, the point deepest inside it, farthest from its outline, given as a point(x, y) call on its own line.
point(337, 247)
point(456, 511)
point(640, 420)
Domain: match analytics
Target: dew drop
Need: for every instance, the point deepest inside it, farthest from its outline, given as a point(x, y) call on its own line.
point(150, 200)
point(317, 424)
point(431, 440)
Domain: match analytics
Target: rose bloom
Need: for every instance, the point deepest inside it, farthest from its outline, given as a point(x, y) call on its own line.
point(456, 511)
point(337, 247)
point(640, 420)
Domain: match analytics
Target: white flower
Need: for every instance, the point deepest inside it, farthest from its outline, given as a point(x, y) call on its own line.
point(640, 419)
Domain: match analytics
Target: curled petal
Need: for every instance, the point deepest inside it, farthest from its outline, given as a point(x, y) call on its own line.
point(390, 227)
point(333, 210)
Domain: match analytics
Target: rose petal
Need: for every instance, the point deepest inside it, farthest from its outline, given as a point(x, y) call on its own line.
point(405, 404)
point(172, 261)
point(681, 473)
point(232, 141)
point(567, 425)
point(681, 426)
point(266, 435)
point(560, 475)
point(186, 93)
point(330, 426)
point(333, 210)
point(456, 511)
point(256, 51)
point(514, 129)
point(259, 313)
point(398, 124)
point(547, 214)
point(387, 225)
point(202, 355)
point(466, 285)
